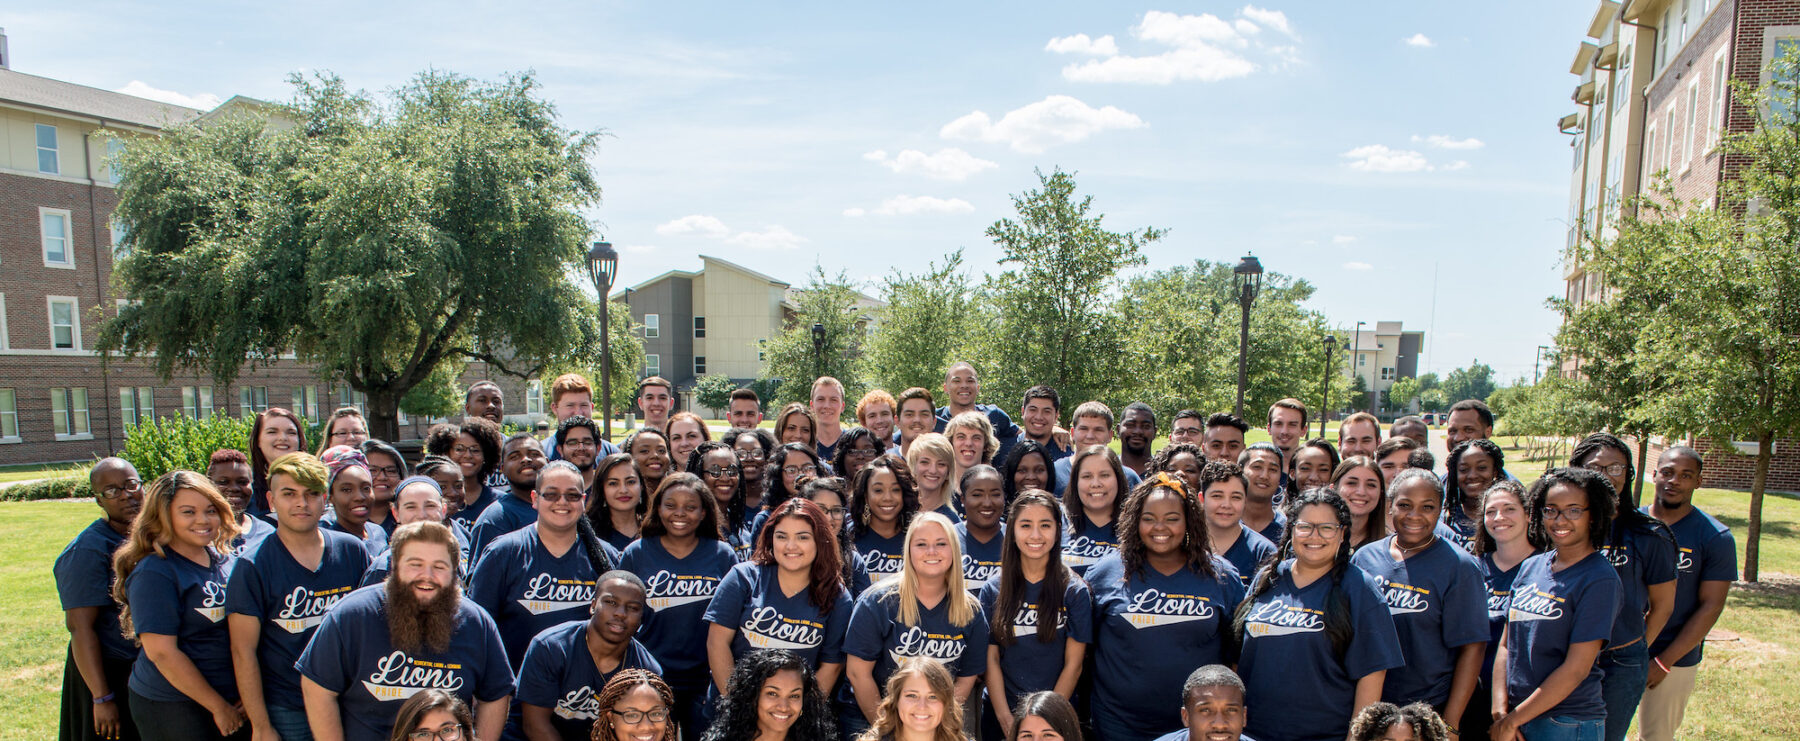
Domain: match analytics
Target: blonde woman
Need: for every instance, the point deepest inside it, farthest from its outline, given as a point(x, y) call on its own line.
point(917, 706)
point(932, 462)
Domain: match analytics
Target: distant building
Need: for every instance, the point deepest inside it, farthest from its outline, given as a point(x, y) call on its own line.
point(1381, 356)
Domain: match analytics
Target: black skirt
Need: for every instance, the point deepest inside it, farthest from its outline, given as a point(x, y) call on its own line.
point(78, 702)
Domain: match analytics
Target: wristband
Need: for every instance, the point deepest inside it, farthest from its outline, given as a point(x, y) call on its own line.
point(104, 699)
point(1659, 662)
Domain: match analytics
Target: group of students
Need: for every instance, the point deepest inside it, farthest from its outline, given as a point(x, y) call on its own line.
point(824, 582)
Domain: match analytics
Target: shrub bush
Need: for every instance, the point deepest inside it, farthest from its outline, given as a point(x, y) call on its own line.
point(59, 486)
point(181, 442)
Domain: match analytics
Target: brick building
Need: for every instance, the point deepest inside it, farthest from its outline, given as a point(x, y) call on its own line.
point(58, 402)
point(1653, 100)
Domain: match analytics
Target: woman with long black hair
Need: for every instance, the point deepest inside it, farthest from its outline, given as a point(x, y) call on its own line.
point(617, 504)
point(883, 506)
point(1313, 626)
point(785, 471)
point(1042, 613)
point(1097, 479)
point(1474, 466)
point(1027, 466)
point(773, 695)
point(855, 448)
point(717, 465)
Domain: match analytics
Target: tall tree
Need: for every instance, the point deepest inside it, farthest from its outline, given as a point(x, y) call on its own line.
point(374, 240)
point(1053, 317)
point(829, 301)
point(925, 326)
point(1473, 382)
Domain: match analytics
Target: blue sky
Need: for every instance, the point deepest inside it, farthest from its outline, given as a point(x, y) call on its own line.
point(1357, 145)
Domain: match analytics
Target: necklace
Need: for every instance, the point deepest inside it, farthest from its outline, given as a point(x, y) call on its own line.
point(1404, 551)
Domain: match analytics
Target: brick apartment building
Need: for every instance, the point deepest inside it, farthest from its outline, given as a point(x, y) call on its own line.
point(58, 402)
point(1652, 100)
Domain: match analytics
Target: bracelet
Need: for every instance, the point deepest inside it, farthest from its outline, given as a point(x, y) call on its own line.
point(104, 699)
point(1454, 731)
point(1659, 662)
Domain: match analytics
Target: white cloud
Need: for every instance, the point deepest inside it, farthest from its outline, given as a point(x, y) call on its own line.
point(694, 224)
point(1272, 18)
point(1342, 239)
point(141, 89)
point(1381, 158)
point(1420, 40)
point(1358, 266)
point(1081, 44)
point(1201, 47)
point(944, 164)
point(905, 205)
point(1440, 141)
point(771, 238)
point(1057, 119)
point(1246, 27)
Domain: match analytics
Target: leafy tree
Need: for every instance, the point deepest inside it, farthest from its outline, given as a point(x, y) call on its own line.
point(925, 326)
point(1473, 382)
point(829, 301)
point(584, 356)
point(374, 240)
point(713, 391)
point(765, 389)
point(438, 395)
point(1358, 398)
point(1403, 394)
point(1053, 317)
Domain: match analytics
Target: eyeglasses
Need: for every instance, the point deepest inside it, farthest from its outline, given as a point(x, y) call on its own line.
point(581, 443)
point(1323, 530)
point(557, 496)
point(750, 455)
point(445, 733)
point(342, 434)
point(634, 717)
point(392, 472)
point(114, 492)
point(801, 470)
point(1616, 469)
point(465, 450)
point(836, 511)
point(1566, 513)
point(717, 471)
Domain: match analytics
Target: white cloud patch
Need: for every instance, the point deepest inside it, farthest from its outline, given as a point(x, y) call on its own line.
point(1200, 47)
point(1379, 158)
point(1271, 18)
point(1358, 266)
point(1420, 40)
point(905, 205)
point(773, 237)
point(1057, 119)
point(1081, 44)
point(700, 224)
point(1342, 239)
point(1440, 141)
point(141, 89)
point(944, 164)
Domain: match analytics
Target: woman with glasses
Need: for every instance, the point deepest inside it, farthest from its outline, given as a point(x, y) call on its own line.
point(832, 494)
point(617, 512)
point(790, 595)
point(773, 696)
point(475, 446)
point(95, 704)
point(433, 715)
point(1547, 684)
point(1642, 550)
point(882, 508)
point(1314, 626)
point(387, 468)
point(717, 465)
point(787, 468)
point(855, 448)
point(636, 706)
point(753, 447)
point(345, 426)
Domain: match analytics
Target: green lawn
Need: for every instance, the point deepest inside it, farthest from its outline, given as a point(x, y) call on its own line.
point(34, 471)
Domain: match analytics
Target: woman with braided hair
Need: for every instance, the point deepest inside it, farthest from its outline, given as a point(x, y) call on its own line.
point(635, 705)
point(1474, 465)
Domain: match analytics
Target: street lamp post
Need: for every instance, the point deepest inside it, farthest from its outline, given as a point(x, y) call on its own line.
point(1536, 376)
point(603, 266)
point(1356, 359)
point(818, 335)
point(1249, 274)
point(1325, 385)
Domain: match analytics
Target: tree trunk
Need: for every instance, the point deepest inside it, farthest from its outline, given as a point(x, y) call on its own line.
point(1764, 451)
point(1637, 485)
point(384, 414)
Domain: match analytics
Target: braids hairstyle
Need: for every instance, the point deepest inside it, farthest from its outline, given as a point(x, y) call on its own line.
point(1053, 708)
point(1601, 504)
point(737, 709)
point(781, 420)
point(859, 498)
point(887, 717)
point(259, 463)
point(615, 690)
point(584, 530)
point(840, 459)
point(775, 489)
point(1195, 545)
point(1078, 519)
point(734, 509)
point(599, 513)
point(709, 529)
point(1338, 626)
point(1453, 493)
point(421, 704)
point(1164, 460)
point(826, 579)
point(1627, 517)
point(150, 532)
point(1375, 720)
point(1484, 542)
point(1015, 457)
point(1375, 528)
point(847, 556)
point(433, 463)
point(1012, 574)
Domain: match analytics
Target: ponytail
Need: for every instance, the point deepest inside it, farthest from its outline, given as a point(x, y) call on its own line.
point(596, 551)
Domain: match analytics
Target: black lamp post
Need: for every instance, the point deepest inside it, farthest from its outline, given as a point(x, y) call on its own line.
point(1249, 274)
point(1325, 385)
point(603, 266)
point(818, 334)
point(1356, 360)
point(1536, 375)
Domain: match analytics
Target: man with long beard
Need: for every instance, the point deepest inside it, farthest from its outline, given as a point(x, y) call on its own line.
point(388, 641)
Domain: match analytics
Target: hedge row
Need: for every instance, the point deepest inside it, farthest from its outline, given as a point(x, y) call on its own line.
point(62, 486)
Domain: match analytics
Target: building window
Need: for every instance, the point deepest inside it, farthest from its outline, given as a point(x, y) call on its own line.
point(69, 413)
point(1362, 360)
point(699, 365)
point(1673, 136)
point(652, 365)
point(53, 227)
point(1387, 373)
point(253, 399)
point(699, 328)
point(196, 401)
point(1693, 123)
point(350, 397)
point(46, 150)
point(534, 397)
point(9, 416)
point(306, 401)
point(114, 148)
point(3, 334)
point(136, 405)
point(1721, 92)
point(1649, 153)
point(119, 233)
point(65, 323)
point(652, 326)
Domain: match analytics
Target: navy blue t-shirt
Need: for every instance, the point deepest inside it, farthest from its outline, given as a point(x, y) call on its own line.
point(353, 655)
point(1029, 664)
point(618, 540)
point(1248, 552)
point(1004, 429)
point(1152, 630)
point(1439, 604)
point(290, 601)
point(559, 674)
point(1499, 598)
point(251, 535)
point(980, 561)
point(173, 596)
point(1642, 559)
point(1086, 548)
point(507, 514)
point(948, 510)
point(876, 634)
point(679, 590)
point(84, 578)
point(1064, 475)
point(1458, 527)
point(374, 538)
point(1705, 551)
point(1550, 611)
point(384, 563)
point(1287, 655)
point(1272, 532)
point(472, 511)
point(526, 589)
point(750, 602)
point(882, 557)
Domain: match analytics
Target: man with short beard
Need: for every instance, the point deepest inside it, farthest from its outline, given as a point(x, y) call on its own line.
point(386, 642)
point(520, 459)
point(229, 470)
point(1264, 476)
point(1137, 429)
point(579, 440)
point(484, 400)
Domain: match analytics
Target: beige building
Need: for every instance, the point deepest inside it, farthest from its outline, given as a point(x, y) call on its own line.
point(1382, 356)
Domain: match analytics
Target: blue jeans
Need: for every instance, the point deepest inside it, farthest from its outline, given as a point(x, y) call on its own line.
point(290, 723)
point(1546, 728)
point(1623, 674)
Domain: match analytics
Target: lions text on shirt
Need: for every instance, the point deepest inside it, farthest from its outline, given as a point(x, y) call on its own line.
point(750, 602)
point(526, 589)
point(1030, 664)
point(289, 601)
point(1550, 611)
point(84, 577)
point(353, 655)
point(1439, 604)
point(876, 634)
point(1642, 558)
point(559, 674)
point(1705, 551)
point(679, 591)
point(176, 597)
point(1151, 630)
point(1085, 548)
point(980, 561)
point(883, 557)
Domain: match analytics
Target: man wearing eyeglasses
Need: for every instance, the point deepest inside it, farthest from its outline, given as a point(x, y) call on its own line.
point(100, 659)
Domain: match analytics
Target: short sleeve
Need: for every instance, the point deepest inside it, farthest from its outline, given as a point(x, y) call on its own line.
point(538, 675)
point(1595, 609)
point(83, 579)
point(1079, 603)
point(244, 590)
point(1465, 605)
point(837, 623)
point(1718, 559)
point(870, 622)
point(974, 658)
point(496, 681)
point(323, 661)
point(727, 606)
point(1657, 552)
point(1375, 644)
point(155, 599)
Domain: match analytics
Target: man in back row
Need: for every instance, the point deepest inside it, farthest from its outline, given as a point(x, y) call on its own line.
point(1092, 425)
point(570, 396)
point(961, 388)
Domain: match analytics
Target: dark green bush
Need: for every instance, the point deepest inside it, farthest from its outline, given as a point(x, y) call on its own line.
point(60, 486)
point(181, 442)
